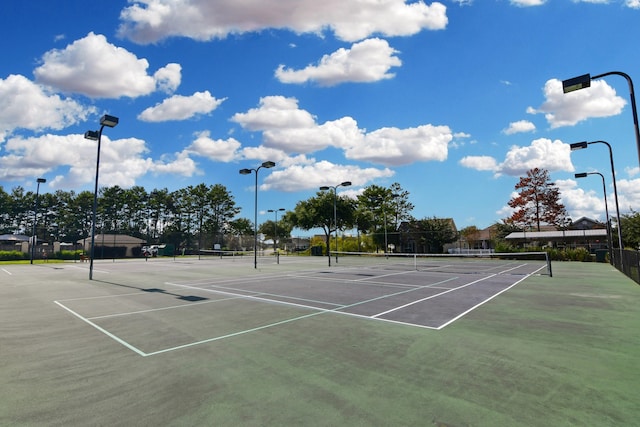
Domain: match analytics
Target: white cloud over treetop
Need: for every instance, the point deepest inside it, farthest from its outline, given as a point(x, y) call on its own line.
point(122, 161)
point(149, 21)
point(304, 177)
point(96, 68)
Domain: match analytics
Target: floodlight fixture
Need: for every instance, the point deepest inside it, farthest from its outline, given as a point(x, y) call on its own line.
point(110, 121)
point(578, 145)
point(581, 175)
point(93, 135)
point(576, 83)
point(584, 81)
point(245, 171)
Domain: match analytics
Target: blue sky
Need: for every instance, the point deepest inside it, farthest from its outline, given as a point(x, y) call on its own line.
point(454, 100)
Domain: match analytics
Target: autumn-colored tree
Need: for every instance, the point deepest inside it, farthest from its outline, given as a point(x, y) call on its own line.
point(538, 201)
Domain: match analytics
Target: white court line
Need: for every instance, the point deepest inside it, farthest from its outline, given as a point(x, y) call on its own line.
point(487, 300)
point(256, 293)
point(7, 271)
point(87, 268)
point(104, 331)
point(282, 322)
point(432, 296)
point(151, 310)
point(365, 282)
point(455, 289)
point(317, 311)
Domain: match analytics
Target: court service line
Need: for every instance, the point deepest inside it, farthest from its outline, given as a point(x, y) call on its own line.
point(432, 296)
point(487, 300)
point(365, 281)
point(7, 271)
point(317, 312)
point(256, 293)
point(246, 331)
point(151, 310)
point(340, 307)
point(104, 331)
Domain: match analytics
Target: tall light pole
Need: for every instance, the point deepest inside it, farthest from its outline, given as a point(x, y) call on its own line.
point(265, 165)
point(275, 234)
point(34, 238)
point(335, 214)
point(109, 121)
point(584, 144)
point(275, 226)
point(606, 208)
point(584, 81)
point(384, 200)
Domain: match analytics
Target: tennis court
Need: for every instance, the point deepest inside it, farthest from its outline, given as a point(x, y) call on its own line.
point(421, 292)
point(216, 342)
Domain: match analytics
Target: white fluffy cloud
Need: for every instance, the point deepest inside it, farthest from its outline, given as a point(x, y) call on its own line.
point(26, 105)
point(528, 3)
point(520, 126)
point(542, 153)
point(307, 176)
point(219, 150)
point(481, 163)
point(180, 107)
point(122, 161)
point(148, 21)
point(288, 128)
point(395, 147)
point(96, 68)
point(560, 109)
point(367, 61)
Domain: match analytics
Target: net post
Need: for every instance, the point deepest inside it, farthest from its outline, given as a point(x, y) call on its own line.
point(546, 254)
point(415, 262)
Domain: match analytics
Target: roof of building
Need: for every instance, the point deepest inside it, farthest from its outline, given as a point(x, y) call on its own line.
point(13, 238)
point(558, 234)
point(122, 239)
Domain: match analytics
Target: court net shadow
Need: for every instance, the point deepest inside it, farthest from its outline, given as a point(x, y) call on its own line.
point(189, 298)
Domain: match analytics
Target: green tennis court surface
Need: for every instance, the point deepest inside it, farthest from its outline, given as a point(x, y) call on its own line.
point(215, 342)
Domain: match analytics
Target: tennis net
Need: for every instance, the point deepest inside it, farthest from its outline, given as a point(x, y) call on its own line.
point(484, 263)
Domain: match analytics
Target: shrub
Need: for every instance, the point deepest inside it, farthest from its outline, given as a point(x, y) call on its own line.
point(68, 254)
point(13, 255)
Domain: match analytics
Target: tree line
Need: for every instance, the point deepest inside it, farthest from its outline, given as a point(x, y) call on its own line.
point(205, 217)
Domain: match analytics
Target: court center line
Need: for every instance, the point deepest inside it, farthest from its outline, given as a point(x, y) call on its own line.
point(432, 296)
point(485, 301)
